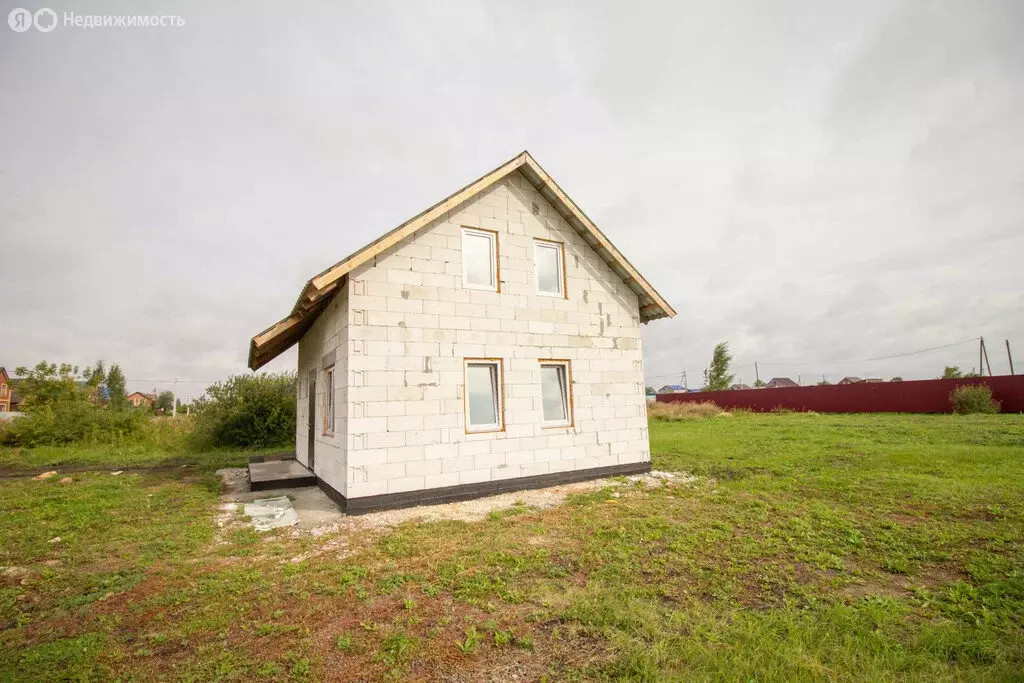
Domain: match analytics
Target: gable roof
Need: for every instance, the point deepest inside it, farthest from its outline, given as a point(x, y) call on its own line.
point(319, 290)
point(782, 382)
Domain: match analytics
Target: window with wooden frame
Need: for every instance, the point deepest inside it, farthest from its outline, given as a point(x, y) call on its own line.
point(549, 264)
point(480, 259)
point(329, 402)
point(483, 398)
point(556, 393)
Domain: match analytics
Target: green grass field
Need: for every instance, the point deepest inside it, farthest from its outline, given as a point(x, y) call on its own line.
point(853, 547)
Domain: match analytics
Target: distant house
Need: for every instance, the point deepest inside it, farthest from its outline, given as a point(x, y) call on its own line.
point(780, 382)
point(5, 391)
point(738, 387)
point(140, 399)
point(858, 380)
point(673, 389)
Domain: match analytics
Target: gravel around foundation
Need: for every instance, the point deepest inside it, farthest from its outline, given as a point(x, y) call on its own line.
point(319, 515)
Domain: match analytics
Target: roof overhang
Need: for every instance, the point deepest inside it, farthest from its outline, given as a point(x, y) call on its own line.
point(318, 291)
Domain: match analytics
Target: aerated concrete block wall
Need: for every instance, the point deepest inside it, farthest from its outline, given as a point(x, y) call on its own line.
point(411, 324)
point(325, 343)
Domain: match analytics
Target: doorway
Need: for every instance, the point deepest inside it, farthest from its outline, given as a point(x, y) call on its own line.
point(312, 420)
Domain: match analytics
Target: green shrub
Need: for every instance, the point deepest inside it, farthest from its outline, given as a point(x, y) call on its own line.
point(247, 411)
point(73, 421)
point(973, 398)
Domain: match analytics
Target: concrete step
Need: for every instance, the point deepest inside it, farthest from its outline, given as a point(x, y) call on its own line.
point(279, 474)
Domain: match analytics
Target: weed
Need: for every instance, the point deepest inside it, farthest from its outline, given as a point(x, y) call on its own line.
point(343, 642)
point(396, 648)
point(676, 411)
point(472, 640)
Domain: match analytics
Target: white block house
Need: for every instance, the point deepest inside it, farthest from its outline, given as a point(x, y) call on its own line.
point(490, 344)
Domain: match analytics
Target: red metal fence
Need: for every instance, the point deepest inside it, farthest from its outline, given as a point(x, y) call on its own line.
point(920, 396)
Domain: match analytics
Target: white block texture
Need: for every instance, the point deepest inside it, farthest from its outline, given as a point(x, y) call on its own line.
point(404, 322)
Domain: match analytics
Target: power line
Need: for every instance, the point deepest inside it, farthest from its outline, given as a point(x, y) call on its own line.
point(866, 360)
point(835, 362)
point(180, 381)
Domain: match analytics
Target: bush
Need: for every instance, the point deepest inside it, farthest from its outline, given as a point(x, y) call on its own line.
point(973, 398)
point(247, 411)
point(672, 412)
point(65, 422)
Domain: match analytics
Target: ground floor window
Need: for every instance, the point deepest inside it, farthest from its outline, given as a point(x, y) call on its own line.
point(483, 396)
point(329, 402)
point(556, 393)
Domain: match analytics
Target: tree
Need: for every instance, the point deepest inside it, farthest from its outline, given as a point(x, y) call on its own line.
point(94, 376)
point(116, 396)
point(48, 383)
point(649, 391)
point(824, 383)
point(716, 375)
point(760, 384)
point(165, 402)
point(952, 372)
point(897, 378)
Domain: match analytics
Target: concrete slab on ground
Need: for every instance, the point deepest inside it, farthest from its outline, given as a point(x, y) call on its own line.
point(271, 513)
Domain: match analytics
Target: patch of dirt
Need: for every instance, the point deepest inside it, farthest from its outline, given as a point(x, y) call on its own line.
point(876, 582)
point(936, 575)
point(875, 585)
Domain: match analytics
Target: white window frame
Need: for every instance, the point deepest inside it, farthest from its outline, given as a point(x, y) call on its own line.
point(567, 396)
point(492, 236)
point(329, 407)
point(499, 402)
point(559, 248)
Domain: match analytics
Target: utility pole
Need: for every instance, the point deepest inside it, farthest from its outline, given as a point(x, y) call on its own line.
point(985, 352)
point(1008, 356)
point(981, 352)
point(757, 375)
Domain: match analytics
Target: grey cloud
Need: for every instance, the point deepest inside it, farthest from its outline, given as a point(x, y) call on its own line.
point(814, 184)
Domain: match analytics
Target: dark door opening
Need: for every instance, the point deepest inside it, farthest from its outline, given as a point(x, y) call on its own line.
point(312, 419)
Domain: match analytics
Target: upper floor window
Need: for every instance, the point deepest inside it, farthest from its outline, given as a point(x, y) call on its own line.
point(549, 262)
point(480, 259)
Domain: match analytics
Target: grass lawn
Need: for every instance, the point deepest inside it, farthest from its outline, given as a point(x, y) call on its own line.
point(853, 547)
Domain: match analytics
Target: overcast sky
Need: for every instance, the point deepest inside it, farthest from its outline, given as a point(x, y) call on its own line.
point(814, 182)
